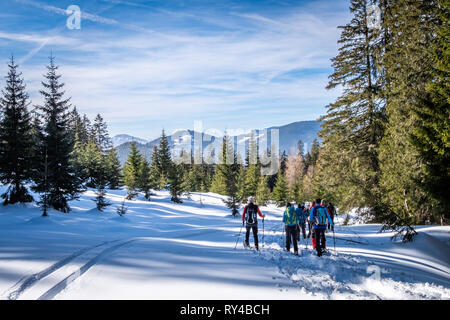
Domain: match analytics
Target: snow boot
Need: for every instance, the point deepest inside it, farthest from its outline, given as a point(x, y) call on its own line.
point(319, 251)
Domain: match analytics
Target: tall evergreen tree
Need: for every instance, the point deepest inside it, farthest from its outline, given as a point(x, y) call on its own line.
point(85, 133)
point(230, 170)
point(301, 148)
point(313, 155)
point(241, 185)
point(132, 170)
point(175, 180)
point(113, 170)
point(253, 171)
point(195, 176)
point(431, 135)
point(407, 61)
point(16, 140)
point(76, 126)
point(97, 169)
point(283, 162)
point(100, 134)
point(164, 161)
point(354, 123)
point(155, 167)
point(219, 183)
point(144, 179)
point(93, 165)
point(60, 184)
point(280, 192)
point(262, 192)
point(37, 137)
point(208, 170)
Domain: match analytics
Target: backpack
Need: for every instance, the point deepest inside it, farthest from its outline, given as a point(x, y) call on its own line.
point(250, 214)
point(320, 215)
point(291, 216)
point(301, 215)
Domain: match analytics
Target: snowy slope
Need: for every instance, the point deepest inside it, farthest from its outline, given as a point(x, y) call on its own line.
point(162, 250)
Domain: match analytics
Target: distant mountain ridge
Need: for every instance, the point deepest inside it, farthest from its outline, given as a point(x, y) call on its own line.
point(124, 138)
point(289, 135)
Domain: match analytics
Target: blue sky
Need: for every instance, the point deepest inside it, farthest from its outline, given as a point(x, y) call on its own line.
point(149, 65)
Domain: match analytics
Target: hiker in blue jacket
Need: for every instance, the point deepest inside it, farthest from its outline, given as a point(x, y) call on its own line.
point(319, 216)
point(290, 220)
point(301, 215)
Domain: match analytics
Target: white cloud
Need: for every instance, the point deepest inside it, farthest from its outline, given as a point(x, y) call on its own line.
point(181, 74)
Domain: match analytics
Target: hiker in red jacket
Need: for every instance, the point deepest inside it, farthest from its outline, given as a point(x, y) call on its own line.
point(251, 221)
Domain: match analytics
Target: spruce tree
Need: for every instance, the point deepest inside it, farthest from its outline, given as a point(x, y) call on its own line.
point(175, 180)
point(76, 126)
point(280, 192)
point(262, 192)
point(100, 180)
point(16, 139)
point(164, 161)
point(155, 167)
point(113, 170)
point(253, 171)
point(184, 165)
point(431, 135)
point(300, 148)
point(195, 174)
point(78, 160)
point(407, 62)
point(132, 170)
point(231, 169)
point(92, 161)
point(283, 162)
point(60, 184)
point(99, 132)
point(37, 137)
point(144, 179)
point(208, 169)
point(219, 182)
point(241, 186)
point(85, 133)
point(354, 123)
point(313, 155)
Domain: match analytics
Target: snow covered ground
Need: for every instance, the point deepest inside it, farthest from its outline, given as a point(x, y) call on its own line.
point(162, 250)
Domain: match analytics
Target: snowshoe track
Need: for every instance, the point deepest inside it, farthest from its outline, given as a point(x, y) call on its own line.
point(28, 281)
point(60, 286)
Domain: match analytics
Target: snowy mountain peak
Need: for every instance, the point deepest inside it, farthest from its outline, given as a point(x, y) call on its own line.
point(124, 138)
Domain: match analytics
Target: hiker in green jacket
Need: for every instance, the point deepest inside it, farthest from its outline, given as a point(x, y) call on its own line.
point(290, 220)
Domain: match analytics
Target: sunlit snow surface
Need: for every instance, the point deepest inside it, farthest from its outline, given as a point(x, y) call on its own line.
point(162, 250)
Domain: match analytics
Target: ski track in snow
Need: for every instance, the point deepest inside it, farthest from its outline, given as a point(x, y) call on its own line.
point(60, 286)
point(349, 272)
point(28, 281)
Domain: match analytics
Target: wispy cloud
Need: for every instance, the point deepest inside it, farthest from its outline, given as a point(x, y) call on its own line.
point(264, 70)
point(60, 11)
point(39, 38)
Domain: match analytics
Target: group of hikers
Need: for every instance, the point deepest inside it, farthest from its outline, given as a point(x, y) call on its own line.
point(318, 215)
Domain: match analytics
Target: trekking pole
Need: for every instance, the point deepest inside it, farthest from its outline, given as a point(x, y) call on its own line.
point(238, 236)
point(263, 233)
point(334, 240)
